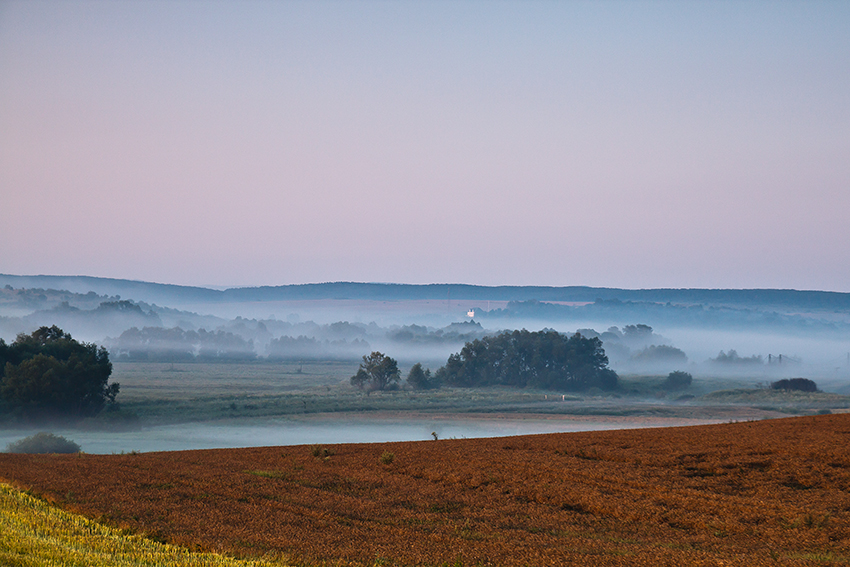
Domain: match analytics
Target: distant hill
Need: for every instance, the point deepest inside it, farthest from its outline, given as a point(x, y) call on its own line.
point(127, 289)
point(166, 294)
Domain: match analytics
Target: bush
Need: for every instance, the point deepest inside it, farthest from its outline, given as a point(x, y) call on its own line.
point(795, 384)
point(43, 443)
point(678, 380)
point(320, 451)
point(387, 457)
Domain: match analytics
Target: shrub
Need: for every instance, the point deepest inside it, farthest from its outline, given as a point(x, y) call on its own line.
point(43, 443)
point(387, 457)
point(678, 380)
point(320, 451)
point(795, 384)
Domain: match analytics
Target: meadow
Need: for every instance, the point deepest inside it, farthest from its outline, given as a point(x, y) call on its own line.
point(770, 492)
point(160, 393)
point(195, 405)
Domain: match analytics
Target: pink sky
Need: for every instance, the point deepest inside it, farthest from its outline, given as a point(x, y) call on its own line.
point(623, 144)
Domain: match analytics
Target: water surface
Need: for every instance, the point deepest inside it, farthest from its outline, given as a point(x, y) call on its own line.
point(326, 430)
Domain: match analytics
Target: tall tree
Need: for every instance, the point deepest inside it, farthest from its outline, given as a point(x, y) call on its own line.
point(377, 372)
point(420, 378)
point(49, 374)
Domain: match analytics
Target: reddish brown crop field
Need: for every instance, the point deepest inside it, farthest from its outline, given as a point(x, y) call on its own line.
point(773, 492)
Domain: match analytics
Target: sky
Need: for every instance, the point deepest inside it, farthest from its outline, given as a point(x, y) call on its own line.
point(624, 144)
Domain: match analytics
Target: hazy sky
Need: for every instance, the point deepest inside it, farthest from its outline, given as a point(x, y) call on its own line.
point(625, 144)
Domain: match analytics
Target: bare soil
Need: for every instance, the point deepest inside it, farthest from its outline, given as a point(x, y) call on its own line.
point(772, 492)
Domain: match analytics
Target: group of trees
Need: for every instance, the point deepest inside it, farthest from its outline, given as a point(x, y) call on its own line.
point(49, 374)
point(380, 372)
point(732, 358)
point(544, 359)
point(173, 345)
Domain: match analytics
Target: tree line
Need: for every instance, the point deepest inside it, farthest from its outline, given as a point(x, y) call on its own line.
point(543, 359)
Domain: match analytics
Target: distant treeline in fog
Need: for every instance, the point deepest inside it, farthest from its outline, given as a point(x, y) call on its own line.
point(708, 316)
point(244, 339)
point(775, 330)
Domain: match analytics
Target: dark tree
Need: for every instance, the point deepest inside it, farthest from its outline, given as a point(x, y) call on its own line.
point(662, 354)
point(678, 380)
point(639, 330)
point(48, 373)
point(421, 379)
point(377, 372)
point(795, 384)
point(544, 359)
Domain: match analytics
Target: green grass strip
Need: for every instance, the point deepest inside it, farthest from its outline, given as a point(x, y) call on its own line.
point(36, 534)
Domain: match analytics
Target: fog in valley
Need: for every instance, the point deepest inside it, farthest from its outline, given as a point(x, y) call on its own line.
point(719, 340)
point(742, 342)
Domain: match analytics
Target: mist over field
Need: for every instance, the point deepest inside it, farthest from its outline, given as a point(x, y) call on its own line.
point(727, 333)
point(202, 368)
point(358, 233)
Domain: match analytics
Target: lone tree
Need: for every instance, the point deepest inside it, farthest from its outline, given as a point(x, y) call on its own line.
point(49, 374)
point(377, 372)
point(678, 380)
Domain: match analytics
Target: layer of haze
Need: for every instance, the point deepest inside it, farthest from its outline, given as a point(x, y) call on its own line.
point(628, 144)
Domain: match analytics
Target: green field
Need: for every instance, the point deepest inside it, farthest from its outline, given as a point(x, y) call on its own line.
point(159, 393)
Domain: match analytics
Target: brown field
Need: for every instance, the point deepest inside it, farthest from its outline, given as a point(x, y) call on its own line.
point(774, 492)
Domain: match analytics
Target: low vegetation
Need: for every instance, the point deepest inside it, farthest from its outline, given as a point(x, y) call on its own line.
point(43, 442)
point(163, 393)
